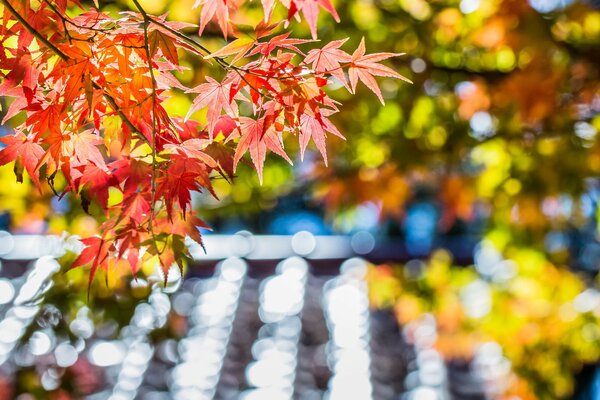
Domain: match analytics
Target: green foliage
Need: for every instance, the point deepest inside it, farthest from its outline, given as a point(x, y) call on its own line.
point(533, 310)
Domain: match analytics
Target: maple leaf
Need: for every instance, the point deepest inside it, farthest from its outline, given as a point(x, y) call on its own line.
point(257, 138)
point(218, 9)
point(173, 251)
point(363, 67)
point(193, 148)
point(97, 253)
point(310, 10)
point(225, 125)
point(183, 227)
point(97, 181)
point(268, 6)
point(223, 155)
point(169, 243)
point(21, 72)
point(84, 147)
point(246, 39)
point(316, 127)
point(26, 152)
point(160, 40)
point(129, 239)
point(44, 118)
point(328, 59)
point(278, 42)
point(137, 207)
point(255, 83)
point(78, 77)
point(183, 176)
point(240, 47)
point(72, 150)
point(132, 175)
point(216, 96)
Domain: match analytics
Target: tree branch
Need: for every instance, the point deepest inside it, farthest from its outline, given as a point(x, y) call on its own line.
point(32, 30)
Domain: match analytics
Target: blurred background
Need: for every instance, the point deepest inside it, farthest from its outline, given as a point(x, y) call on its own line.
point(450, 249)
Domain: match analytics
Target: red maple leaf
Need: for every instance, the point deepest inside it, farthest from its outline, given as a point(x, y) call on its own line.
point(25, 152)
point(137, 207)
point(97, 252)
point(183, 176)
point(96, 181)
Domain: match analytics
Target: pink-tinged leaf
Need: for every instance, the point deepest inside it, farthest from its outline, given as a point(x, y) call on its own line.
point(218, 9)
point(278, 42)
point(268, 6)
point(18, 104)
point(215, 96)
point(225, 125)
point(167, 81)
point(310, 10)
point(327, 5)
point(328, 59)
point(133, 257)
point(257, 139)
point(316, 127)
point(85, 148)
point(366, 78)
point(363, 67)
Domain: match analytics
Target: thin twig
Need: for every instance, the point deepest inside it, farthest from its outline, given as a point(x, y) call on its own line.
point(66, 20)
point(62, 18)
point(220, 60)
point(154, 121)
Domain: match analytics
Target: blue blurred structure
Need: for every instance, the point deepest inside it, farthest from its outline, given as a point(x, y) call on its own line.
point(288, 223)
point(420, 228)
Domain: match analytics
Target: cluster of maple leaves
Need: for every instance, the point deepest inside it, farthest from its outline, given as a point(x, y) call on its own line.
point(90, 91)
